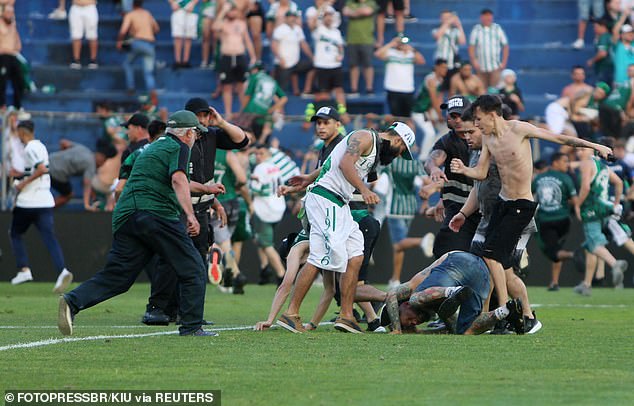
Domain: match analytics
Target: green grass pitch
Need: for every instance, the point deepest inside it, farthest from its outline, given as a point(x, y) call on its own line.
point(584, 355)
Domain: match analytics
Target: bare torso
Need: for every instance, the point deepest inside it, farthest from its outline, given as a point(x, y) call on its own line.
point(232, 37)
point(512, 153)
point(141, 25)
point(84, 2)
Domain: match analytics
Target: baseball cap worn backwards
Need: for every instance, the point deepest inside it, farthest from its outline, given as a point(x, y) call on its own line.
point(185, 119)
point(407, 135)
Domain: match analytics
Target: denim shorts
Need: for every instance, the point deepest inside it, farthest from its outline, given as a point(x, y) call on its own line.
point(399, 227)
point(594, 235)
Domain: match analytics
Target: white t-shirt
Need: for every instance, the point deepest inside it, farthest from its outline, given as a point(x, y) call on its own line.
point(36, 194)
point(266, 204)
point(556, 117)
point(312, 12)
point(327, 42)
point(289, 39)
point(399, 71)
point(331, 176)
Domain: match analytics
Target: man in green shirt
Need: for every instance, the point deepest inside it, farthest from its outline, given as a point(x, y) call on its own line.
point(360, 42)
point(602, 60)
point(146, 222)
point(553, 190)
point(263, 98)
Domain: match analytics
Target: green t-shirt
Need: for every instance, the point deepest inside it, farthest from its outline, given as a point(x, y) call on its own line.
point(552, 190)
point(423, 99)
point(604, 43)
point(597, 205)
point(619, 96)
point(126, 166)
point(224, 174)
point(262, 88)
point(361, 29)
point(149, 187)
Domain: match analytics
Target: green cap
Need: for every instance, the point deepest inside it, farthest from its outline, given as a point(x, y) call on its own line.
point(185, 119)
point(604, 86)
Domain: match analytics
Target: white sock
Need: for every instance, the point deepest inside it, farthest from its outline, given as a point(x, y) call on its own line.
point(451, 290)
point(64, 271)
point(501, 312)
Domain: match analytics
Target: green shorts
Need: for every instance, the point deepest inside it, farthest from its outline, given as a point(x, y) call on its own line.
point(594, 235)
point(263, 232)
point(243, 226)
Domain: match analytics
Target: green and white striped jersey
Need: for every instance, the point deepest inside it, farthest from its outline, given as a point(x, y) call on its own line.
point(488, 43)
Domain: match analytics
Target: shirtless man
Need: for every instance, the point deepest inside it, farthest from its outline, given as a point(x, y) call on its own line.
point(508, 142)
point(233, 65)
point(578, 85)
point(466, 83)
point(335, 241)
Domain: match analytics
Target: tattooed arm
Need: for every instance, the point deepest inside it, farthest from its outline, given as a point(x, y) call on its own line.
point(433, 163)
point(359, 143)
point(482, 323)
point(543, 134)
point(401, 292)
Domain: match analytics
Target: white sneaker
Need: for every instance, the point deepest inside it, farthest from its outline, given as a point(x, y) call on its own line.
point(393, 284)
point(22, 276)
point(57, 14)
point(578, 44)
point(63, 281)
point(427, 244)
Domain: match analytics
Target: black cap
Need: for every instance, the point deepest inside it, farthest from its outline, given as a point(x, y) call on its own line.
point(138, 119)
point(326, 112)
point(456, 104)
point(27, 124)
point(197, 105)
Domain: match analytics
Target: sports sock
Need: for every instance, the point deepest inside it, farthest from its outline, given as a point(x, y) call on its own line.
point(501, 312)
point(451, 290)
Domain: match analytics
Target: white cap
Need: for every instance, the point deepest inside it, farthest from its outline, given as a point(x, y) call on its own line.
point(626, 28)
point(408, 137)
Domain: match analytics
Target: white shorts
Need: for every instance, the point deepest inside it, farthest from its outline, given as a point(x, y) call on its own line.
point(184, 24)
point(83, 22)
point(617, 233)
point(334, 235)
point(556, 117)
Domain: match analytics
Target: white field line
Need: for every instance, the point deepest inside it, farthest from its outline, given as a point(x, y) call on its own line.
point(583, 306)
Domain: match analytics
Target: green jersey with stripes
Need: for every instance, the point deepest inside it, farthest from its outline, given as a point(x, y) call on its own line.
point(488, 43)
point(597, 205)
point(331, 177)
point(288, 167)
point(402, 198)
point(399, 71)
point(423, 99)
point(225, 175)
point(447, 46)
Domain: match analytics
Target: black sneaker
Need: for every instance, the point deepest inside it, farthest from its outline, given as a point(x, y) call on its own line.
point(202, 333)
point(553, 287)
point(501, 328)
point(376, 327)
point(202, 323)
point(155, 317)
point(238, 284)
point(532, 326)
point(265, 275)
point(515, 317)
point(450, 305)
point(227, 278)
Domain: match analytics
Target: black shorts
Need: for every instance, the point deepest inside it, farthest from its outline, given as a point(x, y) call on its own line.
point(370, 228)
point(508, 220)
point(328, 79)
point(399, 5)
point(552, 235)
point(255, 10)
point(233, 69)
point(360, 55)
point(63, 188)
point(400, 103)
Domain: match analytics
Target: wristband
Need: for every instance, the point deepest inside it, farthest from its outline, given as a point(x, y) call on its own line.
point(461, 212)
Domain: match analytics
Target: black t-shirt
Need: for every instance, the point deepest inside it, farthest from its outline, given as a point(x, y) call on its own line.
point(457, 188)
point(325, 151)
point(506, 99)
point(203, 154)
point(133, 147)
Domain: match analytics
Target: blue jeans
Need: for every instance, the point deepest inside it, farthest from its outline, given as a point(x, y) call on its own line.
point(141, 237)
point(43, 220)
point(462, 269)
point(144, 50)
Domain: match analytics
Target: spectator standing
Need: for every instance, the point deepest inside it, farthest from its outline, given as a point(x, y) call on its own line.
point(584, 7)
point(328, 58)
point(623, 52)
point(268, 207)
point(207, 12)
point(602, 59)
point(13, 156)
point(59, 13)
point(34, 205)
point(264, 98)
point(613, 13)
point(10, 46)
point(184, 23)
point(72, 160)
point(426, 112)
point(554, 189)
point(315, 14)
point(400, 58)
point(399, 7)
point(465, 83)
point(234, 43)
point(287, 43)
point(83, 19)
point(486, 42)
point(449, 36)
point(277, 13)
point(511, 94)
point(578, 85)
point(255, 21)
point(360, 42)
point(141, 27)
